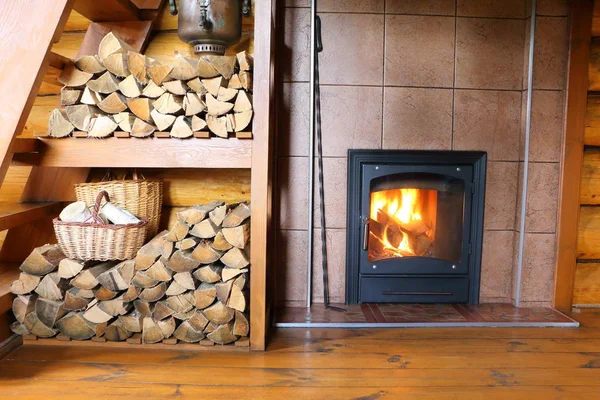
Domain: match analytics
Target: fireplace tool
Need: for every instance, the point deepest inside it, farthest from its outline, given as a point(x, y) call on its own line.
point(210, 25)
point(315, 127)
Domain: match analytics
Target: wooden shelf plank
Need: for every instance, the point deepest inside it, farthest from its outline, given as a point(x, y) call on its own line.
point(12, 215)
point(9, 272)
point(25, 146)
point(141, 153)
point(107, 10)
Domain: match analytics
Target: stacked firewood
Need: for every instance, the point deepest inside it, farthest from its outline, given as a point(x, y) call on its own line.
point(119, 90)
point(186, 284)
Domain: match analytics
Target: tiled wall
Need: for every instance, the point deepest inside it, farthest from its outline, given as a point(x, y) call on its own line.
point(423, 74)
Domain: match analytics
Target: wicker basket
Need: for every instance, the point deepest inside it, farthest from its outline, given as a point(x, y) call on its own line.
point(95, 240)
point(141, 197)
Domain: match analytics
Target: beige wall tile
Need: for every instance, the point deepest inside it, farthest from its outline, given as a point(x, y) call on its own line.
point(370, 6)
point(336, 266)
point(489, 53)
point(496, 268)
point(417, 119)
point(542, 197)
point(430, 7)
point(419, 51)
point(491, 8)
point(488, 121)
point(293, 192)
point(291, 268)
point(552, 7)
point(335, 188)
point(501, 195)
point(294, 119)
point(353, 49)
point(539, 257)
point(294, 53)
point(550, 55)
point(546, 126)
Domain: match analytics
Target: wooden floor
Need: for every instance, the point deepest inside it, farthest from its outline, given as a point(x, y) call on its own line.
point(457, 363)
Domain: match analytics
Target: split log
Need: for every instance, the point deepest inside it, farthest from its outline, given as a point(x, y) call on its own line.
point(185, 279)
point(209, 273)
point(225, 65)
point(43, 260)
point(217, 125)
point(118, 277)
point(90, 64)
point(230, 273)
point(151, 333)
point(138, 66)
point(234, 82)
point(104, 294)
point(187, 333)
point(142, 280)
point(130, 87)
point(132, 293)
point(205, 229)
point(197, 86)
point(141, 107)
point(68, 268)
point(210, 327)
point(87, 279)
point(115, 306)
point(198, 320)
point(242, 120)
point(192, 104)
point(162, 121)
point(113, 103)
point(220, 243)
point(153, 91)
point(218, 215)
point(132, 322)
point(240, 281)
point(160, 74)
point(206, 69)
point(223, 291)
point(142, 129)
point(159, 272)
point(19, 328)
point(246, 79)
point(241, 327)
point(151, 251)
point(106, 84)
point(183, 261)
point(52, 287)
point(25, 284)
point(216, 107)
point(90, 97)
point(96, 315)
point(185, 69)
point(230, 123)
point(237, 299)
point(187, 243)
point(58, 124)
point(49, 311)
point(75, 212)
point(222, 334)
point(235, 258)
point(162, 310)
point(81, 115)
point(23, 305)
point(175, 289)
point(37, 328)
point(169, 103)
point(144, 308)
point(205, 295)
point(154, 294)
point(237, 216)
point(118, 215)
point(116, 332)
point(218, 313)
point(175, 87)
point(101, 126)
point(69, 96)
point(74, 326)
point(214, 84)
point(238, 236)
point(167, 326)
point(195, 214)
point(181, 128)
point(125, 120)
point(245, 61)
point(71, 76)
point(117, 64)
point(111, 44)
point(205, 254)
point(226, 94)
point(74, 301)
point(182, 303)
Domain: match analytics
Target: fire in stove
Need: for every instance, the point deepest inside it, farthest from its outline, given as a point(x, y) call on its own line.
point(402, 223)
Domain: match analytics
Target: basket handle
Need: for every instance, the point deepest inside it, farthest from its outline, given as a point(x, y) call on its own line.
point(96, 209)
point(135, 175)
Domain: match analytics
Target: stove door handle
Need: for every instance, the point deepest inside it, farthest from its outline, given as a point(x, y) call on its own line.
point(366, 234)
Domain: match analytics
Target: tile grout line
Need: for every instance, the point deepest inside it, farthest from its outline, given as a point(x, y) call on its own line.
point(383, 75)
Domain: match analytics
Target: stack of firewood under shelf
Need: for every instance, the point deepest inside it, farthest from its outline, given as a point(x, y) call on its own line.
point(121, 92)
point(186, 284)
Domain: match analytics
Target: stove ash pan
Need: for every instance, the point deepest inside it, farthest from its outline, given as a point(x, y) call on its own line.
point(415, 226)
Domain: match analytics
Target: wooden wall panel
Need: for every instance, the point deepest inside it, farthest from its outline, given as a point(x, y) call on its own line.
point(592, 121)
point(589, 233)
point(590, 177)
point(587, 284)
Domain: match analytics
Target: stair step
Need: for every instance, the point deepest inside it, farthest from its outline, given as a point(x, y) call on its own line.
point(8, 273)
point(25, 146)
point(16, 214)
point(108, 10)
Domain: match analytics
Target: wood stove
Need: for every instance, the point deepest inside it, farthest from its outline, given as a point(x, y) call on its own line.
point(415, 226)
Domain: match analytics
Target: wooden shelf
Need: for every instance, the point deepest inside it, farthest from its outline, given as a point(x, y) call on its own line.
point(8, 273)
point(12, 215)
point(140, 153)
